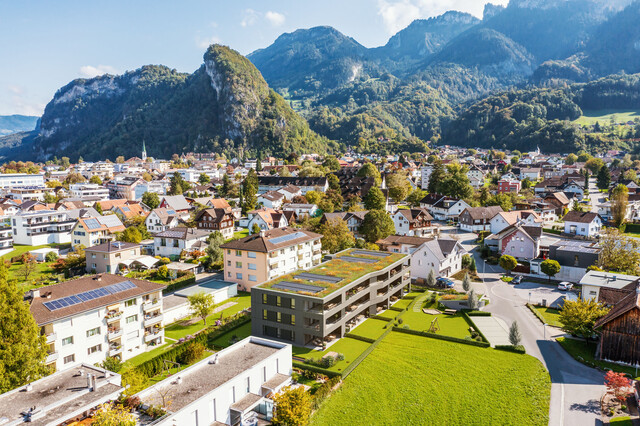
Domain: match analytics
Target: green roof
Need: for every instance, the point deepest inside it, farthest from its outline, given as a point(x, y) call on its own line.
point(349, 270)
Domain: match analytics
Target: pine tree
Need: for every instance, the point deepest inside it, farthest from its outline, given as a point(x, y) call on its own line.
point(436, 178)
point(431, 279)
point(604, 178)
point(466, 283)
point(514, 334)
point(249, 192)
point(472, 265)
point(374, 200)
point(22, 348)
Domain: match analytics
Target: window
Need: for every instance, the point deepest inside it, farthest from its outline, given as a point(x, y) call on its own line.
point(293, 320)
point(67, 341)
point(93, 255)
point(238, 253)
point(133, 334)
point(264, 374)
point(228, 263)
point(576, 260)
point(69, 358)
point(238, 264)
point(252, 266)
point(264, 298)
point(264, 314)
point(251, 255)
point(94, 349)
point(238, 276)
point(130, 302)
point(132, 318)
point(248, 384)
point(253, 278)
point(93, 332)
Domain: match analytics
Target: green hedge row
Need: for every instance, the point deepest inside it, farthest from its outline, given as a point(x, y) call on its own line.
point(552, 231)
point(478, 313)
point(536, 313)
point(362, 338)
point(441, 337)
point(517, 349)
point(303, 366)
point(475, 327)
point(364, 354)
point(180, 283)
point(395, 308)
point(382, 318)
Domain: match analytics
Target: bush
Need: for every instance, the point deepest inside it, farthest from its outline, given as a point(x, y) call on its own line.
point(51, 257)
point(517, 349)
point(130, 402)
point(191, 354)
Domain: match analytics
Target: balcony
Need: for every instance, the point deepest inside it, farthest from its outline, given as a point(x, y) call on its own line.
point(51, 357)
point(115, 350)
point(113, 316)
point(114, 333)
point(149, 336)
point(329, 306)
point(334, 319)
point(151, 305)
point(315, 326)
point(151, 320)
point(316, 309)
point(273, 260)
point(51, 337)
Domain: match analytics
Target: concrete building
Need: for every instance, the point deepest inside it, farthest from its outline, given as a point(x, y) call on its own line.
point(28, 193)
point(594, 282)
point(261, 257)
point(425, 174)
point(156, 186)
point(231, 387)
point(63, 397)
point(301, 210)
point(112, 257)
point(94, 317)
point(10, 180)
point(320, 305)
point(89, 190)
point(42, 227)
point(306, 184)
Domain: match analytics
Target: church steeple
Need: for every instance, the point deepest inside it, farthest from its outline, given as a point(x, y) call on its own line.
point(144, 152)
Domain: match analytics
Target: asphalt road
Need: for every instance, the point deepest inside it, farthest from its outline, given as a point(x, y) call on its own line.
point(576, 389)
point(595, 197)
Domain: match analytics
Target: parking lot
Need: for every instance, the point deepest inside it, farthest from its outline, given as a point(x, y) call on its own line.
point(535, 293)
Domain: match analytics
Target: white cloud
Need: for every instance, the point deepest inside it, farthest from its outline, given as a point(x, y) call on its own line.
point(397, 14)
point(20, 102)
point(276, 19)
point(204, 42)
point(249, 18)
point(91, 71)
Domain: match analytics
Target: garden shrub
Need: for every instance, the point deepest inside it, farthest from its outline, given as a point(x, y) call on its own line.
point(191, 354)
point(51, 257)
point(509, 348)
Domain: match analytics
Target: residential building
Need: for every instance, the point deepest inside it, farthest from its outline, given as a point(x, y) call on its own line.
point(401, 243)
point(10, 180)
point(518, 240)
point(220, 220)
point(260, 257)
point(425, 174)
point(130, 210)
point(89, 190)
point(306, 184)
point(532, 173)
point(161, 219)
point(559, 201)
point(477, 219)
point(354, 220)
point(156, 186)
point(322, 304)
point(595, 282)
point(173, 241)
point(415, 222)
point(508, 185)
point(476, 174)
point(266, 219)
point(88, 319)
point(271, 199)
point(123, 187)
point(42, 227)
point(28, 193)
point(586, 224)
point(114, 257)
point(6, 237)
point(574, 258)
point(504, 219)
point(60, 398)
point(290, 191)
point(442, 207)
point(95, 230)
point(176, 203)
point(443, 256)
point(235, 386)
point(301, 210)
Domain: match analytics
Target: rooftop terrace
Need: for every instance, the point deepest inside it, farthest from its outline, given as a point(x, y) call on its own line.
point(346, 267)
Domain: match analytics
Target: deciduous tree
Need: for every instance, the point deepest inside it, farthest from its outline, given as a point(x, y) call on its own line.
point(377, 225)
point(110, 414)
point(579, 316)
point(456, 183)
point(374, 200)
point(370, 170)
point(619, 253)
point(292, 407)
point(508, 263)
point(619, 204)
point(336, 236)
point(618, 384)
point(151, 200)
point(436, 178)
point(130, 235)
point(201, 304)
point(603, 178)
point(398, 186)
point(29, 266)
point(550, 267)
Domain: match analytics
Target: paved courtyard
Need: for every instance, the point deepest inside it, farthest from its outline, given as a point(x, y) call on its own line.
point(494, 329)
point(536, 293)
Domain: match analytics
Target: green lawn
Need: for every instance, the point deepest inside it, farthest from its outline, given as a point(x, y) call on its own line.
point(240, 234)
point(416, 380)
point(450, 325)
point(41, 268)
point(181, 328)
point(139, 359)
point(350, 348)
point(603, 116)
point(403, 303)
point(240, 333)
point(371, 328)
point(551, 316)
point(389, 313)
point(586, 354)
point(622, 421)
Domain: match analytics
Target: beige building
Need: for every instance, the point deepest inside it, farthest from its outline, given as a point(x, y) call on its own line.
point(95, 230)
point(109, 256)
point(261, 257)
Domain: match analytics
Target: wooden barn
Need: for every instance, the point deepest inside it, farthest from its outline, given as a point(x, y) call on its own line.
point(620, 330)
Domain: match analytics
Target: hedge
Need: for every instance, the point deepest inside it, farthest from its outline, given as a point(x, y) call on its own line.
point(303, 366)
point(478, 313)
point(382, 318)
point(536, 313)
point(552, 231)
point(475, 327)
point(180, 283)
point(441, 337)
point(632, 228)
point(394, 308)
point(362, 338)
point(517, 349)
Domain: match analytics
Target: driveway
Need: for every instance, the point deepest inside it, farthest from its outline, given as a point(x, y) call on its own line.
point(494, 329)
point(539, 293)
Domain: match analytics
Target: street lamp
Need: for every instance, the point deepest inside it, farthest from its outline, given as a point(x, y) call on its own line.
point(529, 297)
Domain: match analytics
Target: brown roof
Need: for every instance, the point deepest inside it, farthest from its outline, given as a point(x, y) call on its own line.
point(486, 213)
point(580, 217)
point(219, 203)
point(112, 247)
point(262, 242)
point(609, 296)
point(415, 214)
point(396, 240)
point(631, 301)
point(43, 315)
point(560, 197)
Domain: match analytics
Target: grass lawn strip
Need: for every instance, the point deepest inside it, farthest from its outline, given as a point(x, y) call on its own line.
point(414, 380)
point(450, 325)
point(240, 333)
point(41, 268)
point(551, 316)
point(350, 348)
point(139, 359)
point(585, 354)
point(371, 328)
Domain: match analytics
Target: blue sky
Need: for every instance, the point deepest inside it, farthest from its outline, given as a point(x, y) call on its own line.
point(46, 44)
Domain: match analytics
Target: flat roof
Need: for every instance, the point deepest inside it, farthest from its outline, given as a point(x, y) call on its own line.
point(607, 279)
point(345, 267)
point(58, 396)
point(203, 377)
point(204, 287)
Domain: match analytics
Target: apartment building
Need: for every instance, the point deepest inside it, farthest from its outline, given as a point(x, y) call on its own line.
point(161, 219)
point(172, 242)
point(123, 187)
point(42, 227)
point(110, 257)
point(322, 304)
point(156, 186)
point(220, 220)
point(90, 318)
point(28, 193)
point(6, 236)
point(231, 387)
point(306, 184)
point(413, 222)
point(260, 257)
point(10, 180)
point(95, 230)
point(89, 190)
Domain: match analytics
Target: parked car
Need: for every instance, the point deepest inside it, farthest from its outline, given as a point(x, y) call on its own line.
point(517, 279)
point(444, 282)
point(565, 285)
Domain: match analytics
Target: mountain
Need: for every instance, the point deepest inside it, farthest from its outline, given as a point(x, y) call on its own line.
point(225, 106)
point(17, 123)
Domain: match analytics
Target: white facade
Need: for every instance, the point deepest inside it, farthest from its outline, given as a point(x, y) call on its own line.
point(590, 229)
point(301, 210)
point(430, 257)
point(156, 186)
point(85, 190)
point(155, 224)
point(28, 193)
point(425, 174)
point(446, 212)
point(42, 227)
point(11, 180)
point(172, 247)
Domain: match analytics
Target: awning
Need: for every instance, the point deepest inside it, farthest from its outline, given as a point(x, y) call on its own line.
point(247, 403)
point(146, 261)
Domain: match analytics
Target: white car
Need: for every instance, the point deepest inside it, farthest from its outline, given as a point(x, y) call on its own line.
point(565, 285)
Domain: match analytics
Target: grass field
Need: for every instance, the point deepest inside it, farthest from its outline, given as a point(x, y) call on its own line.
point(551, 316)
point(240, 234)
point(371, 328)
point(41, 268)
point(350, 348)
point(416, 380)
point(450, 325)
point(586, 354)
point(181, 328)
point(139, 359)
point(604, 116)
point(389, 313)
point(240, 333)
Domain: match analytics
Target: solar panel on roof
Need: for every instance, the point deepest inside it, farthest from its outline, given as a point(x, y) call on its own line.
point(317, 277)
point(88, 295)
point(289, 237)
point(126, 209)
point(171, 212)
point(288, 285)
point(370, 253)
point(92, 223)
point(110, 220)
point(357, 259)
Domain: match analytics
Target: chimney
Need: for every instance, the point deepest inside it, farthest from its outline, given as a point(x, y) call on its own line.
point(93, 382)
point(262, 233)
point(98, 277)
point(90, 383)
point(35, 293)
